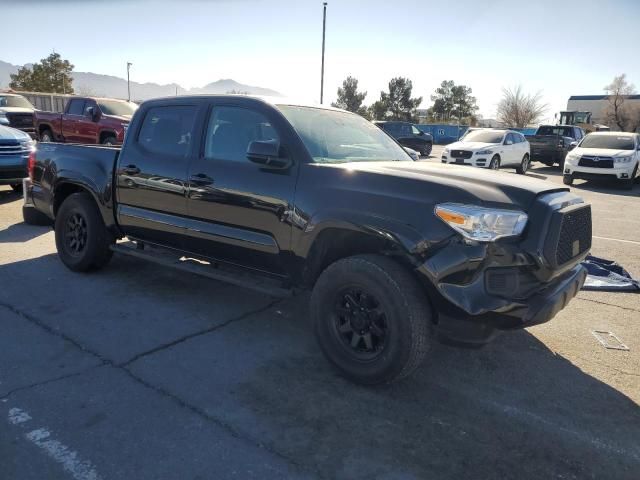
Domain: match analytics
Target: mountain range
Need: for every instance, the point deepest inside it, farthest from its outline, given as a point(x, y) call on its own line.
point(95, 84)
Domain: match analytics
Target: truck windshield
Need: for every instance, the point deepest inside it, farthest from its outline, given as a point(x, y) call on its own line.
point(113, 107)
point(337, 137)
point(613, 142)
point(11, 101)
point(484, 136)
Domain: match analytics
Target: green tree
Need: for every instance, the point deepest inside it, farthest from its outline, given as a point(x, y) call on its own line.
point(349, 98)
point(50, 75)
point(378, 110)
point(398, 101)
point(451, 100)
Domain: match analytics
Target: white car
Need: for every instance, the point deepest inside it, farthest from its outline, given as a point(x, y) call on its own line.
point(490, 148)
point(602, 155)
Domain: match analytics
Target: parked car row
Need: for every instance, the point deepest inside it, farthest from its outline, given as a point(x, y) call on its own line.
point(88, 120)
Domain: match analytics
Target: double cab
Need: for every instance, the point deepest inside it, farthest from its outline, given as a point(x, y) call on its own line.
point(86, 120)
point(286, 197)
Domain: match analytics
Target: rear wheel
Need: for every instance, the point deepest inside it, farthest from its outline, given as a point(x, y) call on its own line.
point(82, 239)
point(567, 179)
point(109, 141)
point(426, 150)
point(46, 136)
point(371, 319)
point(495, 163)
point(524, 165)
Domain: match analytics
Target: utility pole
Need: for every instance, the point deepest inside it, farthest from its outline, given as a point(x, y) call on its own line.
point(128, 83)
point(324, 28)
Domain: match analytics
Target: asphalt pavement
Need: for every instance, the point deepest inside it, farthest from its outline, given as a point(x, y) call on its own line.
point(141, 372)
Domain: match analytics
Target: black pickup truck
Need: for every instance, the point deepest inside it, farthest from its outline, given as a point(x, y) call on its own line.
point(551, 143)
point(285, 198)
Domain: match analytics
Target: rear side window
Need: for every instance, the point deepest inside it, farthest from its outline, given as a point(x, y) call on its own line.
point(76, 107)
point(168, 130)
point(232, 129)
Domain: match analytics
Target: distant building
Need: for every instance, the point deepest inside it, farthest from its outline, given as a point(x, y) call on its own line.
point(597, 105)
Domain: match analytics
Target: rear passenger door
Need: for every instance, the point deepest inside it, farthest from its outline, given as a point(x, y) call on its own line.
point(511, 150)
point(152, 173)
point(71, 120)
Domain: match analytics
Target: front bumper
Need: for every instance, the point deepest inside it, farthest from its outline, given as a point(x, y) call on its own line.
point(13, 169)
point(620, 171)
point(479, 161)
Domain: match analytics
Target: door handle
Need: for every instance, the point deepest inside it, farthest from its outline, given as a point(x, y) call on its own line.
point(201, 178)
point(131, 170)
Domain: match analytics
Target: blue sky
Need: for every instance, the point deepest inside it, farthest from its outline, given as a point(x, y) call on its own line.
point(560, 48)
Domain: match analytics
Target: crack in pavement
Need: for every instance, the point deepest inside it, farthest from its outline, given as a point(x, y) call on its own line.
point(609, 304)
point(176, 399)
point(159, 348)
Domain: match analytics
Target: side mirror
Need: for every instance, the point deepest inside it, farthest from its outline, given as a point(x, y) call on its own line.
point(573, 145)
point(420, 133)
point(508, 142)
point(267, 154)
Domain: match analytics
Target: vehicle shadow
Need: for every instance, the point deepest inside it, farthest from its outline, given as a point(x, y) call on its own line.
point(21, 232)
point(8, 196)
point(514, 409)
point(598, 186)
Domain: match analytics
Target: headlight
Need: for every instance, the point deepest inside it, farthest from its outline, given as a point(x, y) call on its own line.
point(572, 156)
point(484, 152)
point(3, 119)
point(482, 224)
point(623, 159)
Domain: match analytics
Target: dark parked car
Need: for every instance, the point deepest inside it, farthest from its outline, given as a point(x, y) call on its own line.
point(15, 148)
point(16, 112)
point(408, 135)
point(286, 197)
point(551, 143)
point(86, 120)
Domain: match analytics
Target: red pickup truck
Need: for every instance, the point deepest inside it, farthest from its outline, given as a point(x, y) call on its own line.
point(86, 120)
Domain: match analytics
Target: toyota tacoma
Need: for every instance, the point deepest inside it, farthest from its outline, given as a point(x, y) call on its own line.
point(286, 197)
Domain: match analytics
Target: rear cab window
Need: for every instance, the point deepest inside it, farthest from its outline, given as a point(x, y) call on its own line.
point(168, 130)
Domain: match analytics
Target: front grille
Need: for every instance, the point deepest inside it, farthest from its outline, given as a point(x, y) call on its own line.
point(20, 120)
point(596, 162)
point(12, 148)
point(569, 234)
point(461, 154)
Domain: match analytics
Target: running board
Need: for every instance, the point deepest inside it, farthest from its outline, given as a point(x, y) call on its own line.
point(228, 274)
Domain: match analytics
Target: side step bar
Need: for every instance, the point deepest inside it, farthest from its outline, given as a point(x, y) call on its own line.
point(227, 274)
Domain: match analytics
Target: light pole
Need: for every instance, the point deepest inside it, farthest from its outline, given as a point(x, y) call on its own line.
point(128, 84)
point(324, 28)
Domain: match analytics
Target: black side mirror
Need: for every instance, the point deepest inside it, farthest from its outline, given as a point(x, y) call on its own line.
point(267, 154)
point(420, 133)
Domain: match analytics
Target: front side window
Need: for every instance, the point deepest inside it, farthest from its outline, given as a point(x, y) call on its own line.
point(168, 130)
point(232, 129)
point(414, 130)
point(76, 107)
point(338, 137)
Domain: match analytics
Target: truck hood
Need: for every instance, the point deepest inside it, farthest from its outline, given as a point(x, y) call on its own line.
point(450, 183)
point(473, 146)
point(15, 110)
point(602, 152)
point(121, 118)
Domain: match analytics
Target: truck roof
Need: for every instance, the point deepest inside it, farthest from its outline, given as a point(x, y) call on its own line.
point(271, 100)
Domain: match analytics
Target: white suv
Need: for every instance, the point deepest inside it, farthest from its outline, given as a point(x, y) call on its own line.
point(603, 155)
point(490, 148)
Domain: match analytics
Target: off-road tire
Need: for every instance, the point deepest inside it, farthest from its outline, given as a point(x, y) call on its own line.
point(567, 179)
point(94, 252)
point(407, 314)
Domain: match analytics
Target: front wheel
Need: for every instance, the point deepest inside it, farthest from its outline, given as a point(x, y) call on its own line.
point(371, 319)
point(567, 179)
point(524, 165)
point(46, 136)
point(495, 163)
point(109, 141)
point(82, 240)
point(426, 150)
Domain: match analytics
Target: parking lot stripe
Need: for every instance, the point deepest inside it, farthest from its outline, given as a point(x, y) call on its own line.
point(617, 240)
